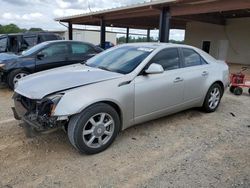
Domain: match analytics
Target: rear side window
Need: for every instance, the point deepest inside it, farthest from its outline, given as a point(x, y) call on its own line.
point(192, 58)
point(168, 58)
point(79, 48)
point(55, 50)
point(31, 40)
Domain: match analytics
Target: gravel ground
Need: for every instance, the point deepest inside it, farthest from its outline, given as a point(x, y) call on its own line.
point(188, 149)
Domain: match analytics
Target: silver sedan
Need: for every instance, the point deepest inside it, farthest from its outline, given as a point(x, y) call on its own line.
point(123, 86)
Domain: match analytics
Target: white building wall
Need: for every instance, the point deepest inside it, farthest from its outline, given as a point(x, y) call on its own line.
point(231, 40)
point(90, 36)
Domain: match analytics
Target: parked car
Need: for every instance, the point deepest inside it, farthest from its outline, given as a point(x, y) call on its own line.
point(118, 88)
point(107, 45)
point(19, 42)
point(44, 56)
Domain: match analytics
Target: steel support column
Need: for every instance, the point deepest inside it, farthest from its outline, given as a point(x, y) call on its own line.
point(70, 31)
point(148, 35)
point(164, 27)
point(103, 34)
point(127, 35)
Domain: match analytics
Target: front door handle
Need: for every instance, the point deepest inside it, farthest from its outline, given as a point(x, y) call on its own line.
point(204, 73)
point(178, 79)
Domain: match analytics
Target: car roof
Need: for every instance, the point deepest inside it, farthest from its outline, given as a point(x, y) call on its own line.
point(156, 45)
point(66, 41)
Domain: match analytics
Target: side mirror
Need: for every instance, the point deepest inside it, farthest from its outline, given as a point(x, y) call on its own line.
point(154, 69)
point(40, 55)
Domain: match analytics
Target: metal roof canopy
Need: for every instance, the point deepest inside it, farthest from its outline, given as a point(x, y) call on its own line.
point(163, 14)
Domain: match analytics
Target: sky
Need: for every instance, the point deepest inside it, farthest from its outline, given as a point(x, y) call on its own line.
point(41, 13)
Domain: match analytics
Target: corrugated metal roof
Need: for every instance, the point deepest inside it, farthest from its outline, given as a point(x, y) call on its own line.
point(116, 9)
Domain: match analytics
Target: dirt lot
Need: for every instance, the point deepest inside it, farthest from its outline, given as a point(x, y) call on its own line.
point(188, 149)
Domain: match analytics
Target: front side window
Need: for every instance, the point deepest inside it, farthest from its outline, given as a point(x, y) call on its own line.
point(3, 44)
point(55, 50)
point(191, 58)
point(122, 60)
point(168, 58)
point(78, 48)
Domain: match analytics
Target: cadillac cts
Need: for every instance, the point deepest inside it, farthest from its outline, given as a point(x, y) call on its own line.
point(118, 88)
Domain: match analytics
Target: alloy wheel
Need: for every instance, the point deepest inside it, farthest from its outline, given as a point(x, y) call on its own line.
point(98, 130)
point(214, 98)
point(18, 77)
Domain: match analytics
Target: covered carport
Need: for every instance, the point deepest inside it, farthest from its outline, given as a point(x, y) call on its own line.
point(163, 15)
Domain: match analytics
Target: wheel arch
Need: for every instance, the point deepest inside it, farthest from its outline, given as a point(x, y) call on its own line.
point(220, 84)
point(116, 107)
point(215, 82)
point(112, 104)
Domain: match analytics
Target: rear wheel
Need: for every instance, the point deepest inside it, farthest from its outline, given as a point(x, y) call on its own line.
point(238, 91)
point(14, 76)
point(213, 98)
point(94, 130)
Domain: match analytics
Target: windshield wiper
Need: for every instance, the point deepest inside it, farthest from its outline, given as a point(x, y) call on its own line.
point(103, 68)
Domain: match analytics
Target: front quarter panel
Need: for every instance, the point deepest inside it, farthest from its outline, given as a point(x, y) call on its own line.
point(76, 100)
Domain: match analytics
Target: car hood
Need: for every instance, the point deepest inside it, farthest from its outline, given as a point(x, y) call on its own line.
point(8, 56)
point(37, 86)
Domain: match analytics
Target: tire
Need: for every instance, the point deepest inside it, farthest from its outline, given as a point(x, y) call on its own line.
point(249, 91)
point(91, 122)
point(13, 77)
point(238, 91)
point(213, 98)
point(231, 89)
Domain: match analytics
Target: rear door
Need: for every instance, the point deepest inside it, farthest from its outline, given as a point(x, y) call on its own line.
point(195, 74)
point(55, 55)
point(80, 52)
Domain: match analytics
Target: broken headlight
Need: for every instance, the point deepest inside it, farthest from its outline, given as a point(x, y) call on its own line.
point(48, 105)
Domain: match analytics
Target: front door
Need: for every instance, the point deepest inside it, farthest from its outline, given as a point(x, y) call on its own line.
point(156, 93)
point(53, 56)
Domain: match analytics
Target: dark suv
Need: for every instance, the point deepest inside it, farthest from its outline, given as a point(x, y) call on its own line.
point(44, 56)
point(19, 42)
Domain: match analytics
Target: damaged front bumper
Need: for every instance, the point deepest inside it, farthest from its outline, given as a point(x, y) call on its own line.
point(36, 115)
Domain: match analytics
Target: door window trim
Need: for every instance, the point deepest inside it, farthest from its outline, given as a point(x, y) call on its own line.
point(183, 59)
point(149, 62)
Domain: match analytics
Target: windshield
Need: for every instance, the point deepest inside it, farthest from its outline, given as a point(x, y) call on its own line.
point(34, 49)
point(122, 60)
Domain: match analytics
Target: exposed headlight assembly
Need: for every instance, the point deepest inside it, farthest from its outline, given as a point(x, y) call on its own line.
point(48, 104)
point(55, 100)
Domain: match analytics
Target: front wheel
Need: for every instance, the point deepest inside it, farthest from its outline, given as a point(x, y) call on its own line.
point(213, 98)
point(14, 76)
point(94, 130)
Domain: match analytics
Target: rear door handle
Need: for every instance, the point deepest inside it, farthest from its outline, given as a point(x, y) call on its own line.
point(204, 73)
point(178, 79)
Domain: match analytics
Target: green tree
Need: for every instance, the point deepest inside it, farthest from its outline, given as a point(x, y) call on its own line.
point(35, 29)
point(10, 28)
